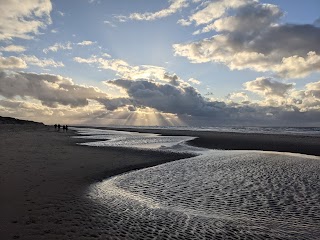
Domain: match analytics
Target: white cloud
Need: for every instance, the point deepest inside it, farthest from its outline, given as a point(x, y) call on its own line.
point(46, 62)
point(112, 64)
point(106, 55)
point(94, 1)
point(61, 13)
point(238, 97)
point(58, 46)
point(111, 24)
point(175, 6)
point(213, 10)
point(268, 87)
point(307, 99)
point(85, 43)
point(23, 19)
point(13, 48)
point(194, 81)
point(124, 69)
point(12, 63)
point(298, 67)
point(184, 22)
point(62, 114)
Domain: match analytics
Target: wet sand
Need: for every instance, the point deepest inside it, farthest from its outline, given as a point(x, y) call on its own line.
point(44, 176)
point(244, 141)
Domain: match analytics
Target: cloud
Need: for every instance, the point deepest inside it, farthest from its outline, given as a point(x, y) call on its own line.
point(115, 103)
point(63, 114)
point(117, 65)
point(127, 71)
point(250, 18)
point(124, 69)
point(24, 60)
point(52, 97)
point(13, 48)
point(51, 90)
point(85, 43)
point(46, 62)
point(238, 97)
point(23, 19)
point(251, 37)
point(61, 13)
point(268, 87)
point(192, 108)
point(106, 55)
point(109, 23)
point(58, 46)
point(175, 6)
point(166, 97)
point(284, 96)
point(94, 1)
point(194, 81)
point(12, 63)
point(307, 99)
point(213, 10)
point(184, 22)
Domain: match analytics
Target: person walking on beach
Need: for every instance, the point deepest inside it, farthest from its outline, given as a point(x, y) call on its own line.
point(55, 127)
point(66, 128)
point(59, 126)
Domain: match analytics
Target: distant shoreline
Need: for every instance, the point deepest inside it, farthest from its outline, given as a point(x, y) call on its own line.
point(309, 145)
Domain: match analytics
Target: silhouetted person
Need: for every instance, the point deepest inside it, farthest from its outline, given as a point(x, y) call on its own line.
point(59, 126)
point(63, 127)
point(55, 127)
point(66, 128)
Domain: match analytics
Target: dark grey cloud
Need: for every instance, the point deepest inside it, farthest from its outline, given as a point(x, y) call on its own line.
point(194, 109)
point(115, 103)
point(164, 97)
point(288, 40)
point(317, 22)
point(183, 101)
point(252, 36)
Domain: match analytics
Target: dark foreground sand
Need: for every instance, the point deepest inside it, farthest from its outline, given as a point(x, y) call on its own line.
point(44, 176)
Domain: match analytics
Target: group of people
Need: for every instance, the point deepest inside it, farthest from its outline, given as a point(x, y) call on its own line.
point(58, 126)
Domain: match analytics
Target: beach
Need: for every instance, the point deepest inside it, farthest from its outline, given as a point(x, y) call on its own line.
point(45, 175)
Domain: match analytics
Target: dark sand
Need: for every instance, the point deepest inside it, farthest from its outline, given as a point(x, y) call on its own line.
point(44, 176)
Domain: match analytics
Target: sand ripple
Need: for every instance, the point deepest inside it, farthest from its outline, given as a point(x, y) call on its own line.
point(219, 195)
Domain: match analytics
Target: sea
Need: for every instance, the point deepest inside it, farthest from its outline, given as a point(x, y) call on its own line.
point(215, 194)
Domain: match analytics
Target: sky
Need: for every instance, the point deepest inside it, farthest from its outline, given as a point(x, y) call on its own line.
point(161, 63)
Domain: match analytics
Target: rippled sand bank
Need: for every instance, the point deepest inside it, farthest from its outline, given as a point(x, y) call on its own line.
point(219, 195)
